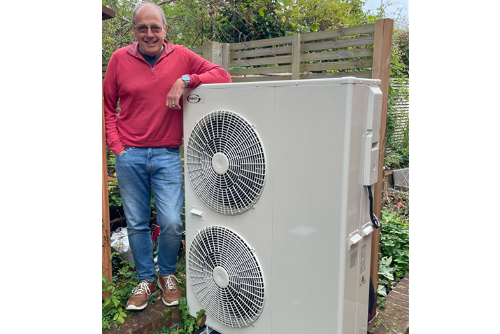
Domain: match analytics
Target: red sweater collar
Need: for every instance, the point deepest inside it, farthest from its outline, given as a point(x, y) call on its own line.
point(134, 49)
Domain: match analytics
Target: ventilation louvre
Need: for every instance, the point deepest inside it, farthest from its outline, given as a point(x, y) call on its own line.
point(226, 162)
point(226, 276)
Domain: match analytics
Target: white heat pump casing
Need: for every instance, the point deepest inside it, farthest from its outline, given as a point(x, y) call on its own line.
point(309, 229)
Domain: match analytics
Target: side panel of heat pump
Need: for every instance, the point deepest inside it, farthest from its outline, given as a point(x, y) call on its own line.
point(255, 225)
point(372, 104)
point(361, 105)
point(355, 206)
point(312, 134)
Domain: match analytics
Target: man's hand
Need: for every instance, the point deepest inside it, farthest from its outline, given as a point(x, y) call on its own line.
point(175, 94)
point(121, 152)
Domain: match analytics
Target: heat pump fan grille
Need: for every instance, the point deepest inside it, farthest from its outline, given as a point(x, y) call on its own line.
point(225, 162)
point(226, 276)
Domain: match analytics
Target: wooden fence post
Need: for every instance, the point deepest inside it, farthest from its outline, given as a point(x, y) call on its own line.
point(106, 246)
point(295, 57)
point(212, 51)
point(225, 56)
point(381, 70)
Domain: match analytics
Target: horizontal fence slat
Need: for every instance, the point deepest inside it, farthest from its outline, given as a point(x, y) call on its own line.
point(197, 50)
point(340, 43)
point(262, 78)
point(340, 54)
point(262, 70)
point(360, 74)
point(261, 43)
point(356, 30)
point(261, 52)
point(338, 65)
point(261, 61)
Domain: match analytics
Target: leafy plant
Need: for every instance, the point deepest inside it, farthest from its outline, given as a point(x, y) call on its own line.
point(188, 323)
point(118, 291)
point(164, 330)
point(394, 244)
point(112, 309)
point(115, 199)
point(191, 23)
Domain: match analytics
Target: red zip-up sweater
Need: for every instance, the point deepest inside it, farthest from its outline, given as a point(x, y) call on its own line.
point(144, 119)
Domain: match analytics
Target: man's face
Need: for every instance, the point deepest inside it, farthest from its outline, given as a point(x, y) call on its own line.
point(149, 43)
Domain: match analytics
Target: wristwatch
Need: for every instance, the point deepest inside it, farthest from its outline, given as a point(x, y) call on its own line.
point(186, 79)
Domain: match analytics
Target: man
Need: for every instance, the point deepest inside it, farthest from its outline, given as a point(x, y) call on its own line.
point(145, 137)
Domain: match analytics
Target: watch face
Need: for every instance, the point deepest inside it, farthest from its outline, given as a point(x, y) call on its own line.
point(186, 79)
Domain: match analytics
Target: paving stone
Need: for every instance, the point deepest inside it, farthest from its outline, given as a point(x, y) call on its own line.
point(394, 318)
point(396, 312)
point(397, 301)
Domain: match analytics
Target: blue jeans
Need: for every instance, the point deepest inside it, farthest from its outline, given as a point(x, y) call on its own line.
point(139, 170)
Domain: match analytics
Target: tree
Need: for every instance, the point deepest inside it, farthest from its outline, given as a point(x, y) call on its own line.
point(117, 32)
point(333, 14)
point(192, 22)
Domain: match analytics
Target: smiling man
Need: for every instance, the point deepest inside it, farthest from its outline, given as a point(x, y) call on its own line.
point(149, 78)
point(150, 40)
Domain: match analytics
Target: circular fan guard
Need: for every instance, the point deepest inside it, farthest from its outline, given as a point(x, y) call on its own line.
point(241, 301)
point(226, 162)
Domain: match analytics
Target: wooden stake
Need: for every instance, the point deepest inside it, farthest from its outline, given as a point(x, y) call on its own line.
point(295, 56)
point(381, 70)
point(106, 247)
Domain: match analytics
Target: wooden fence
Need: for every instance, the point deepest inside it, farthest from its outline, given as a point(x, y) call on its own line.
point(325, 54)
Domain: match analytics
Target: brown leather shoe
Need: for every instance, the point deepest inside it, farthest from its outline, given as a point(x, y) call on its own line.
point(171, 293)
point(140, 295)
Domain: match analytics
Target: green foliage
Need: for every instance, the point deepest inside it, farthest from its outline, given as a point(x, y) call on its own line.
point(248, 20)
point(125, 279)
point(400, 69)
point(117, 32)
point(327, 15)
point(191, 23)
point(113, 307)
point(400, 149)
point(381, 301)
point(394, 243)
point(115, 199)
point(401, 42)
point(164, 330)
point(188, 323)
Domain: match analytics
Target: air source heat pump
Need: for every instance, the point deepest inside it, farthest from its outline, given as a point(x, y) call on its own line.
point(277, 209)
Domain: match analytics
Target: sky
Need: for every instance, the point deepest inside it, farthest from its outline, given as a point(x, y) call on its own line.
point(395, 5)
